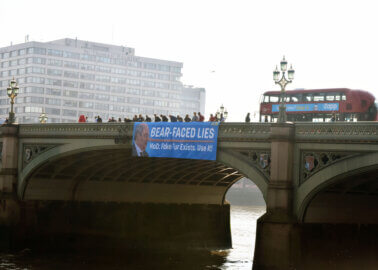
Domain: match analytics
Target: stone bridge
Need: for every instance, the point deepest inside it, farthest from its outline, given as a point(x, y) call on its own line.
point(319, 181)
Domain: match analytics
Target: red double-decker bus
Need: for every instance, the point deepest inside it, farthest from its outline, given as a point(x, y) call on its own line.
point(320, 105)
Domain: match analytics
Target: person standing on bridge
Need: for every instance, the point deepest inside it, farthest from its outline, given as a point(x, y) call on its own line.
point(247, 118)
point(140, 140)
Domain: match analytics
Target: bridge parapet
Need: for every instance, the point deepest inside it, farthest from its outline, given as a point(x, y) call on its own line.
point(227, 131)
point(244, 131)
point(340, 131)
point(344, 131)
point(102, 130)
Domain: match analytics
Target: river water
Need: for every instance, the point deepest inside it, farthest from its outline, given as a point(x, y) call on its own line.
point(243, 227)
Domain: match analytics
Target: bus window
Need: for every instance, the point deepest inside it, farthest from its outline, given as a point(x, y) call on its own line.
point(343, 97)
point(274, 98)
point(266, 99)
point(308, 97)
point(330, 97)
point(316, 119)
point(294, 99)
point(337, 97)
point(319, 97)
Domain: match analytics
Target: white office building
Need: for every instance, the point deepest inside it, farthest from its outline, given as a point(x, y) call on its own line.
point(67, 78)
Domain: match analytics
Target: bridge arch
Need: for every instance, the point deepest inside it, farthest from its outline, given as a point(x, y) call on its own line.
point(207, 180)
point(338, 178)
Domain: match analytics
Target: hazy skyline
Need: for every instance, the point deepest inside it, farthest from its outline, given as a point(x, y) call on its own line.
point(228, 47)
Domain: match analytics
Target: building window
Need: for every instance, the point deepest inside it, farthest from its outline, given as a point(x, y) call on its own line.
point(52, 101)
point(69, 103)
point(71, 55)
point(36, 100)
point(21, 71)
point(133, 100)
point(85, 95)
point(70, 84)
point(70, 74)
point(117, 99)
point(146, 102)
point(87, 76)
point(85, 104)
point(39, 50)
point(54, 72)
point(39, 60)
point(54, 82)
point(70, 64)
point(31, 109)
point(101, 106)
point(53, 62)
point(55, 52)
point(53, 92)
point(69, 113)
point(87, 67)
point(39, 80)
point(69, 93)
point(101, 97)
point(34, 90)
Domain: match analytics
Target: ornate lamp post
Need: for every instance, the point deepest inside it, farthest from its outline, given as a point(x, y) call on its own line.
point(12, 92)
point(283, 82)
point(43, 117)
point(222, 112)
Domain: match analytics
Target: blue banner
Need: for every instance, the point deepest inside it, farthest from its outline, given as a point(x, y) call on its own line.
point(308, 107)
point(192, 140)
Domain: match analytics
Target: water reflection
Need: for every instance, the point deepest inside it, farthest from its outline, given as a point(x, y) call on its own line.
point(243, 226)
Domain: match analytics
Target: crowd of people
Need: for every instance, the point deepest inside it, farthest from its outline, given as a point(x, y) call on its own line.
point(196, 117)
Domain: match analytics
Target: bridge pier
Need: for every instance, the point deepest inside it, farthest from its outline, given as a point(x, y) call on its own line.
point(10, 206)
point(122, 226)
point(276, 235)
point(9, 159)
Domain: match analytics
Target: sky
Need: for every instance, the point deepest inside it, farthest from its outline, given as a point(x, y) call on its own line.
point(228, 47)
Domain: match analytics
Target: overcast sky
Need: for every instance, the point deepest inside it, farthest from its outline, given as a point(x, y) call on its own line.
point(228, 47)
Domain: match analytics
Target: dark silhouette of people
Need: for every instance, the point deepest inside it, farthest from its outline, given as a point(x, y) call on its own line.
point(157, 118)
point(164, 118)
point(247, 118)
point(173, 118)
point(148, 119)
point(187, 118)
point(195, 117)
point(98, 119)
point(140, 118)
point(201, 117)
point(82, 118)
point(333, 118)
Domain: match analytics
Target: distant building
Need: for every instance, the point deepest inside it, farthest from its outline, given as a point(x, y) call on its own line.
point(194, 99)
point(69, 77)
